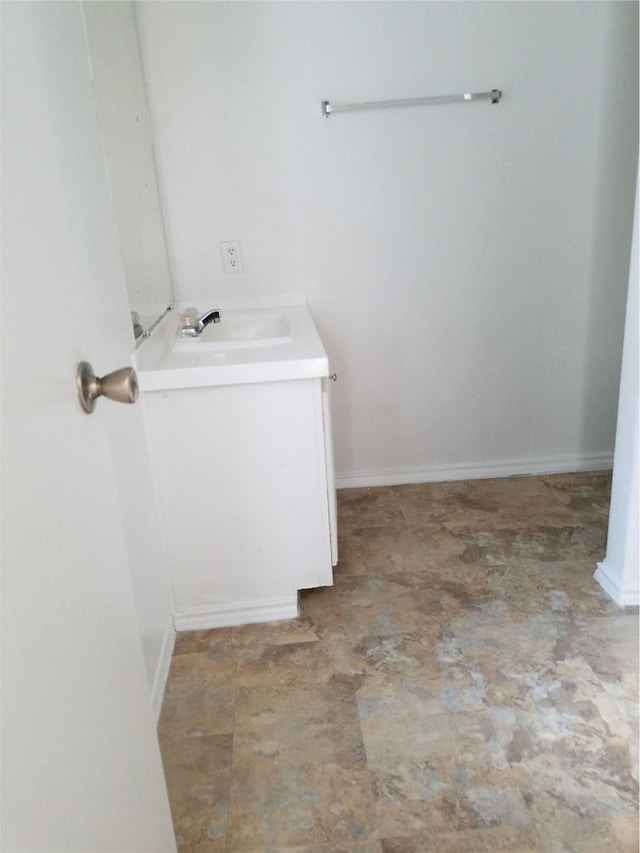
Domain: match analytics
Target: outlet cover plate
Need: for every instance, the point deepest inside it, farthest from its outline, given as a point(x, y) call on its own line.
point(231, 256)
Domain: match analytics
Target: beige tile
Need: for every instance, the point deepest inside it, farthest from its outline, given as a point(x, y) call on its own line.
point(398, 604)
point(300, 785)
point(199, 697)
point(584, 489)
point(295, 684)
point(564, 824)
point(565, 748)
point(442, 771)
point(438, 502)
point(218, 643)
point(408, 548)
point(484, 504)
point(197, 770)
point(282, 632)
point(509, 546)
point(422, 692)
point(500, 839)
point(322, 607)
point(369, 507)
point(295, 664)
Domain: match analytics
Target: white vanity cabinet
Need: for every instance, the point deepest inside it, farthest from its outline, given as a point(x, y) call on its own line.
point(246, 487)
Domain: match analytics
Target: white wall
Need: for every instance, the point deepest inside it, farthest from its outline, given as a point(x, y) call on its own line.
point(466, 264)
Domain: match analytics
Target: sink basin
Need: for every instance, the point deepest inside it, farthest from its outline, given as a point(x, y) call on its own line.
point(252, 343)
point(238, 329)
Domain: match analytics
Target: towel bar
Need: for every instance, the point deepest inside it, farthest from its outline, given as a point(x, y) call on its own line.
point(494, 96)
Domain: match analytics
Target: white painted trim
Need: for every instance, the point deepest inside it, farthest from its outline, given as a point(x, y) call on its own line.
point(618, 573)
point(609, 580)
point(162, 669)
point(237, 613)
point(477, 471)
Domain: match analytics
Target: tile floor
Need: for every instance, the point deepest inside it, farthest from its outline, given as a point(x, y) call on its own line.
point(465, 686)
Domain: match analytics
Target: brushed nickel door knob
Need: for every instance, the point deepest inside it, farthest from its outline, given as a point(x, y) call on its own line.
point(120, 385)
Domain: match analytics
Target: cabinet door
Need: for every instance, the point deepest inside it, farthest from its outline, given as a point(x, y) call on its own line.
point(242, 478)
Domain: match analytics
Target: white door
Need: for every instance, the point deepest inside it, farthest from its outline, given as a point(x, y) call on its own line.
point(81, 767)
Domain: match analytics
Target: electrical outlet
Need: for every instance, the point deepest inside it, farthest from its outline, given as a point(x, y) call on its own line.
point(231, 256)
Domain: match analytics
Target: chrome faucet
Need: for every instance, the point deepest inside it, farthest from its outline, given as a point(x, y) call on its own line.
point(192, 330)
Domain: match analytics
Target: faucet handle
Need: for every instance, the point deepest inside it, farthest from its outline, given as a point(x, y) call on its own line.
point(189, 316)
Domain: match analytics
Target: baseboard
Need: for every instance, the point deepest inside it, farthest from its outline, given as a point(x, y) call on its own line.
point(226, 614)
point(162, 669)
point(623, 597)
point(477, 471)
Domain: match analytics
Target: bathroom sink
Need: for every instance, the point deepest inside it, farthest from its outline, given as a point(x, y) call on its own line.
point(257, 340)
point(240, 329)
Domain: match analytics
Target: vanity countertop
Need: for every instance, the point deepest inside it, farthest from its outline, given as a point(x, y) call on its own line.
point(160, 366)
